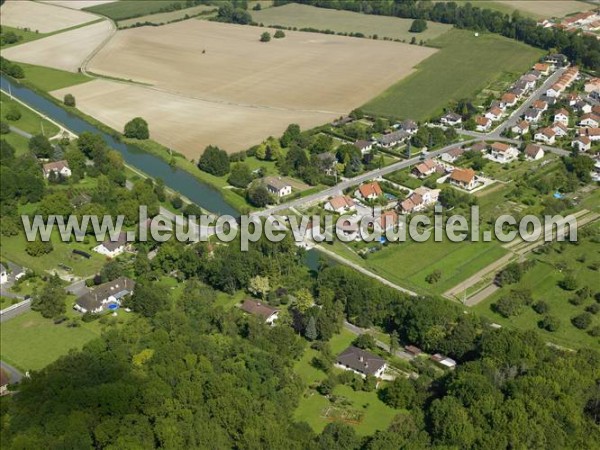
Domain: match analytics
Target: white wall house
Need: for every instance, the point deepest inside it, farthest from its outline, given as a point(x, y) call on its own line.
point(277, 186)
point(58, 168)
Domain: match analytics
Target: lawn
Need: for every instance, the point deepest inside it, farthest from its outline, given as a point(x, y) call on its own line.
point(30, 342)
point(12, 248)
point(543, 280)
point(30, 121)
point(375, 414)
point(24, 35)
point(408, 264)
point(304, 16)
point(19, 143)
point(132, 8)
point(47, 79)
point(465, 65)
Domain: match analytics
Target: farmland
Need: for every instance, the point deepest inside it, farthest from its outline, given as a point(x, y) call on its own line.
point(122, 10)
point(537, 9)
point(41, 17)
point(79, 4)
point(465, 65)
point(240, 90)
point(166, 17)
point(65, 51)
point(303, 16)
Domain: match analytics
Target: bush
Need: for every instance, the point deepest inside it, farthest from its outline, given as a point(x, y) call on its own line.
point(176, 202)
point(418, 26)
point(582, 321)
point(137, 129)
point(13, 114)
point(258, 195)
point(549, 323)
point(265, 37)
point(214, 161)
point(569, 283)
point(594, 331)
point(434, 276)
point(594, 308)
point(69, 100)
point(541, 307)
point(4, 128)
point(508, 306)
point(279, 34)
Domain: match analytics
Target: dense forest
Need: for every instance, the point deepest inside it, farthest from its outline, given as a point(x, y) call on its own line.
point(580, 49)
point(188, 373)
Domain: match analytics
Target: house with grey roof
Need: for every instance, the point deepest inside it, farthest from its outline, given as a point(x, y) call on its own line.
point(277, 186)
point(104, 294)
point(361, 362)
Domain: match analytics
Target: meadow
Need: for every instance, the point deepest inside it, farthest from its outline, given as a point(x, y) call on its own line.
point(42, 17)
point(47, 79)
point(30, 122)
point(122, 10)
point(304, 16)
point(542, 280)
point(375, 414)
point(465, 65)
point(166, 17)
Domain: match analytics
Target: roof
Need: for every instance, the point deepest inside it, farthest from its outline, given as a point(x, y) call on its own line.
point(477, 147)
point(4, 378)
point(560, 125)
point(413, 349)
point(360, 360)
point(548, 132)
point(426, 166)
point(276, 183)
point(523, 125)
point(539, 104)
point(361, 144)
point(408, 204)
point(562, 111)
point(462, 175)
point(56, 166)
point(408, 125)
point(509, 97)
point(592, 116)
point(341, 201)
point(542, 67)
point(583, 139)
point(452, 116)
point(455, 152)
point(480, 120)
point(118, 288)
point(258, 309)
point(112, 245)
point(390, 138)
point(443, 360)
point(500, 147)
point(369, 189)
point(533, 112)
point(391, 217)
point(532, 150)
point(495, 111)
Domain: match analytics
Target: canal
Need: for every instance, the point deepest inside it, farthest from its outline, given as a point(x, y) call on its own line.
point(177, 179)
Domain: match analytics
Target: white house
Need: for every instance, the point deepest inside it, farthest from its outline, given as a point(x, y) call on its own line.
point(444, 361)
point(452, 155)
point(503, 153)
point(463, 178)
point(521, 128)
point(421, 198)
point(562, 116)
point(583, 106)
point(364, 146)
point(494, 113)
point(540, 104)
point(589, 120)
point(451, 118)
point(582, 143)
point(3, 274)
point(560, 129)
point(534, 152)
point(361, 362)
point(58, 168)
point(340, 204)
point(592, 133)
point(277, 186)
point(393, 139)
point(533, 115)
point(112, 248)
point(368, 191)
point(483, 123)
point(112, 292)
point(509, 99)
point(256, 308)
point(546, 135)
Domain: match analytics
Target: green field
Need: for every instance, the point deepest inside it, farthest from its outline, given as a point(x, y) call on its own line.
point(465, 65)
point(12, 249)
point(48, 79)
point(19, 143)
point(407, 264)
point(25, 35)
point(375, 414)
point(304, 16)
point(29, 122)
point(127, 9)
point(167, 17)
point(543, 281)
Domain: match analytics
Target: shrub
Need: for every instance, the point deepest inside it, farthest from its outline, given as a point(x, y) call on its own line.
point(69, 100)
point(594, 331)
point(265, 37)
point(541, 307)
point(549, 323)
point(4, 128)
point(418, 26)
point(594, 308)
point(582, 321)
point(508, 306)
point(137, 128)
point(214, 161)
point(13, 114)
point(279, 34)
point(569, 283)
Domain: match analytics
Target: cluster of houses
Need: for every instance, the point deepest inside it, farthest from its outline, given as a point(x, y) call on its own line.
point(509, 99)
point(402, 132)
point(588, 22)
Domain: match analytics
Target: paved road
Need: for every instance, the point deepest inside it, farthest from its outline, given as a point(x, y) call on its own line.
point(358, 331)
point(14, 375)
point(356, 181)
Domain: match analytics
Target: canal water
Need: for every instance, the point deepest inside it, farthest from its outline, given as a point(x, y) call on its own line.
point(179, 180)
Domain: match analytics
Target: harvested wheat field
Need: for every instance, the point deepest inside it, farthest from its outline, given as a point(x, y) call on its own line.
point(65, 51)
point(548, 8)
point(78, 4)
point(227, 63)
point(185, 124)
point(43, 17)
